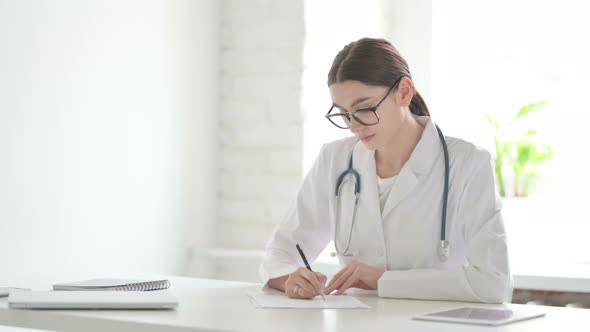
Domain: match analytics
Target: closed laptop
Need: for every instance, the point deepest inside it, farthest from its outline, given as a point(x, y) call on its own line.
point(163, 299)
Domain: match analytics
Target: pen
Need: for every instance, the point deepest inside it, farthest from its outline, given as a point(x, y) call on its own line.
point(306, 263)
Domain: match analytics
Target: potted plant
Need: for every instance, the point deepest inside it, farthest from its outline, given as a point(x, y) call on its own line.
point(518, 150)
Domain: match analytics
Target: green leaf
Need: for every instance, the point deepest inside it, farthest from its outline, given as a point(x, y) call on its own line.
point(526, 109)
point(545, 154)
point(523, 155)
point(525, 151)
point(493, 121)
point(507, 150)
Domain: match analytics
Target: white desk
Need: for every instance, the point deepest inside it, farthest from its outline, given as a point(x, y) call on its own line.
point(4, 328)
point(209, 305)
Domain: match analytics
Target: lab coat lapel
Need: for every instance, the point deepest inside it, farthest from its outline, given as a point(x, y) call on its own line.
point(369, 198)
point(405, 183)
point(421, 161)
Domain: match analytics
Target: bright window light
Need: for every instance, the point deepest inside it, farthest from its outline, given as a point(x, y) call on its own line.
point(487, 57)
point(494, 57)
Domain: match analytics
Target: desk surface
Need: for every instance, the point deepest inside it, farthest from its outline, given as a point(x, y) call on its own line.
point(212, 305)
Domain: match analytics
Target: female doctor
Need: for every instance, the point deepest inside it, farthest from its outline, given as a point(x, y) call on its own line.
point(413, 214)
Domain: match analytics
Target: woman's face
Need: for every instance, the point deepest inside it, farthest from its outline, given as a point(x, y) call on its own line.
point(350, 96)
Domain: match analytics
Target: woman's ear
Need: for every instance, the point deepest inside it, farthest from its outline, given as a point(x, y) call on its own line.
point(406, 89)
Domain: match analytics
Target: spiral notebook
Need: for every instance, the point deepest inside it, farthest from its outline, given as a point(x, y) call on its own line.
point(107, 284)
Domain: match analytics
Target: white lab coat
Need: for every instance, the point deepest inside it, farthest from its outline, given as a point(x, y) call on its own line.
point(403, 239)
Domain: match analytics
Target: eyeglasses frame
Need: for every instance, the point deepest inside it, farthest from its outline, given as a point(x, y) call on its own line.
point(369, 109)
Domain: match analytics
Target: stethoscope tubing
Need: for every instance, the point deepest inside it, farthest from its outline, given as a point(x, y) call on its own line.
point(443, 250)
point(443, 223)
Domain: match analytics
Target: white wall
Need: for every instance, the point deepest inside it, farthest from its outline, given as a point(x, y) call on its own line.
point(260, 128)
point(349, 20)
point(409, 28)
point(108, 137)
point(261, 120)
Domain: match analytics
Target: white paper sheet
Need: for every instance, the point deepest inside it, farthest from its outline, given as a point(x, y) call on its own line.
point(275, 299)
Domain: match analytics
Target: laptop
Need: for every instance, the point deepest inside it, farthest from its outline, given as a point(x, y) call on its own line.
point(162, 299)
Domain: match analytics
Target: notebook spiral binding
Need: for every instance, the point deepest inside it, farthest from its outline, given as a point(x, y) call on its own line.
point(144, 286)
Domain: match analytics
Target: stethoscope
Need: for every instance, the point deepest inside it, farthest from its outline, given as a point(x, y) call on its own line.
point(443, 250)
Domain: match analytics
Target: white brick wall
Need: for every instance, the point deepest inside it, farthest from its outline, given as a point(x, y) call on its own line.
point(261, 123)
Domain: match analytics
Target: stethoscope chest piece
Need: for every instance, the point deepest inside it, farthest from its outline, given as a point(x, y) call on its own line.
point(346, 254)
point(444, 250)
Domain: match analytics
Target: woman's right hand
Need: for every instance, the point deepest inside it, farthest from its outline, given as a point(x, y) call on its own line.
point(304, 284)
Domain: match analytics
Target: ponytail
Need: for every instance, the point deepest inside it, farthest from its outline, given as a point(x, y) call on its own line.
point(418, 106)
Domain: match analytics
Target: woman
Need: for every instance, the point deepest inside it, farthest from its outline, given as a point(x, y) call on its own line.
point(392, 239)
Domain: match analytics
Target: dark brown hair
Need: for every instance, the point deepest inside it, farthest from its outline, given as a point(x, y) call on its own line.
point(373, 62)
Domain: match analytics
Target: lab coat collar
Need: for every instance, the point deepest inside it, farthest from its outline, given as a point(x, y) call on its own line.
point(427, 150)
point(421, 160)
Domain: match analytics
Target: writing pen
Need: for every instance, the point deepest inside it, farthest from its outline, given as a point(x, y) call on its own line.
point(306, 263)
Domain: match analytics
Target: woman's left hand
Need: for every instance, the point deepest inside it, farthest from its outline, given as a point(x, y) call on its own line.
point(354, 275)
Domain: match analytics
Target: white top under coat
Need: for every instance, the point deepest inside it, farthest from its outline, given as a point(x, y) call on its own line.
point(384, 186)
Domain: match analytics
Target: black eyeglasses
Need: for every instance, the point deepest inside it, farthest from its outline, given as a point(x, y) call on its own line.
point(365, 116)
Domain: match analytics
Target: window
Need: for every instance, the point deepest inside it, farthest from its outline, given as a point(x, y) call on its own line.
point(485, 57)
point(496, 56)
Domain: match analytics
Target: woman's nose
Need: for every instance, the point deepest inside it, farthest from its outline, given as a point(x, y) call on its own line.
point(355, 127)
